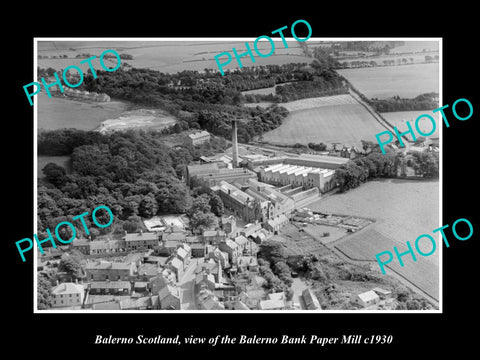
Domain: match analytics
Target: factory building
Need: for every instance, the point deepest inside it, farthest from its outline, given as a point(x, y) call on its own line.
point(297, 175)
point(211, 174)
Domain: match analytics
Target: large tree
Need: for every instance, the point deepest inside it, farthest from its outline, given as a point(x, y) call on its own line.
point(148, 206)
point(71, 264)
point(44, 293)
point(201, 221)
point(216, 204)
point(55, 174)
point(201, 203)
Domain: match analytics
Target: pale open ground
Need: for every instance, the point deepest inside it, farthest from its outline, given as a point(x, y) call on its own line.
point(404, 210)
point(406, 81)
point(140, 118)
point(331, 119)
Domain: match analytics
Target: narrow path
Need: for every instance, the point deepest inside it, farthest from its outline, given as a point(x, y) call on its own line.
point(298, 285)
point(379, 118)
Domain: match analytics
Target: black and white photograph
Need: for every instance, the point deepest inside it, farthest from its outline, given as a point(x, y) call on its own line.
point(240, 179)
point(255, 186)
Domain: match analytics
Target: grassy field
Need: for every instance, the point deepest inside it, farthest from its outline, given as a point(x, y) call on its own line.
point(399, 119)
point(404, 209)
point(340, 121)
point(57, 113)
point(367, 243)
point(405, 81)
point(167, 56)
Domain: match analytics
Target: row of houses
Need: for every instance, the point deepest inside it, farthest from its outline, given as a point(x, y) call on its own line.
point(177, 260)
point(166, 242)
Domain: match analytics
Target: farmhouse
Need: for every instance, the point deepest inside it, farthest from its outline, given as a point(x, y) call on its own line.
point(366, 299)
point(199, 137)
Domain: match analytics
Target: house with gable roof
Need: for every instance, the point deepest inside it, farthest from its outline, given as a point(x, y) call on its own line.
point(67, 294)
point(232, 249)
point(169, 298)
point(366, 298)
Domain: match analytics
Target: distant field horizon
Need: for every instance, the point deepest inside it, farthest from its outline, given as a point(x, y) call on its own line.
point(407, 81)
point(167, 56)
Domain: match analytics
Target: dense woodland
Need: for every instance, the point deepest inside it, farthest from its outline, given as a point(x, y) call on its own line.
point(132, 173)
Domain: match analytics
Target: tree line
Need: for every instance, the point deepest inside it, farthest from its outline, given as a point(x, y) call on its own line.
point(378, 165)
point(426, 101)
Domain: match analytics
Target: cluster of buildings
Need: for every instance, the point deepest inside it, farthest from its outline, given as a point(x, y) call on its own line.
point(266, 189)
point(154, 280)
point(264, 193)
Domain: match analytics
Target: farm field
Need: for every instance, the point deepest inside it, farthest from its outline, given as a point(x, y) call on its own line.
point(58, 113)
point(367, 243)
point(317, 231)
point(399, 119)
point(333, 119)
point(406, 81)
point(404, 209)
point(300, 243)
point(167, 56)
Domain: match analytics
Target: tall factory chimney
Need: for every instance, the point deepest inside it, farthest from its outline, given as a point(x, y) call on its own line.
point(234, 144)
